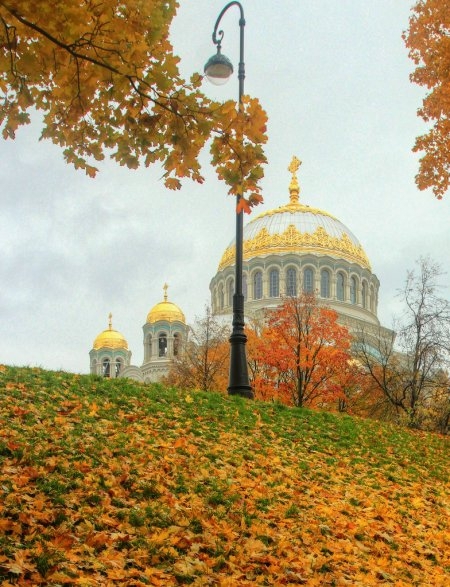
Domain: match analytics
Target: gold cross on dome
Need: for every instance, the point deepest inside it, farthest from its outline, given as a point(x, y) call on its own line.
point(110, 320)
point(165, 288)
point(294, 188)
point(294, 165)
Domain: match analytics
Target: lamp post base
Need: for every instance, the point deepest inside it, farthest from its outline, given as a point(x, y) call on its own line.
point(247, 392)
point(238, 382)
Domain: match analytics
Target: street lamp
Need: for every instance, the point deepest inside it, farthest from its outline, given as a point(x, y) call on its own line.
point(218, 69)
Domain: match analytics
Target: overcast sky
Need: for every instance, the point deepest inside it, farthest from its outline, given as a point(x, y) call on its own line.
point(333, 78)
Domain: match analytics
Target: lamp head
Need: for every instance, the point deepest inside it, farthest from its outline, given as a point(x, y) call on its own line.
point(218, 68)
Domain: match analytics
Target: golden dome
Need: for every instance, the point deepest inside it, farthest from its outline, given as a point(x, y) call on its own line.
point(165, 310)
point(297, 228)
point(110, 339)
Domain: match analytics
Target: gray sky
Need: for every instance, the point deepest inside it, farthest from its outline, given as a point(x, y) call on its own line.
point(333, 78)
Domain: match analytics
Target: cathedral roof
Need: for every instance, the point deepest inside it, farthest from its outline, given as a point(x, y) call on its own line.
point(111, 339)
point(165, 311)
point(297, 228)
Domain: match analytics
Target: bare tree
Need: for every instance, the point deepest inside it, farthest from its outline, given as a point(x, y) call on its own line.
point(204, 360)
point(409, 373)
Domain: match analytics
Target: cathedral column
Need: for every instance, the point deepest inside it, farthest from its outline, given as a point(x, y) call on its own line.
point(265, 285)
point(316, 289)
point(333, 285)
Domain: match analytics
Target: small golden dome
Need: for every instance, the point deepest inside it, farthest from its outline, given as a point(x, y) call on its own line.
point(165, 310)
point(110, 339)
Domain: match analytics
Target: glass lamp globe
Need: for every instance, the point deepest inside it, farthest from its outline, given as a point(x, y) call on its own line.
point(218, 69)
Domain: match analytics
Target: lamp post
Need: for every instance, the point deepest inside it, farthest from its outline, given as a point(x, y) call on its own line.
point(218, 69)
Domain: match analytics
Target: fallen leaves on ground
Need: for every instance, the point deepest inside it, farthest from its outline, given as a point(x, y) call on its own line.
point(115, 483)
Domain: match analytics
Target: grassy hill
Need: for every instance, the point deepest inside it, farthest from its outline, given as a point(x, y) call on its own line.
point(114, 483)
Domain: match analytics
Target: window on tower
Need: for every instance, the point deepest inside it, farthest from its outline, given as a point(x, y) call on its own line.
point(274, 283)
point(162, 344)
point(324, 283)
point(291, 282)
point(106, 368)
point(257, 285)
point(308, 280)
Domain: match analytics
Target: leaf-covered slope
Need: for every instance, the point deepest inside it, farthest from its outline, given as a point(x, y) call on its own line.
point(112, 483)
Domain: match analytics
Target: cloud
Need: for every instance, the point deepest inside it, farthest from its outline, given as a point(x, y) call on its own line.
point(333, 78)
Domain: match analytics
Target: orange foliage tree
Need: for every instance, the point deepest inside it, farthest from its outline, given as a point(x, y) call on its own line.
point(106, 79)
point(352, 381)
point(263, 377)
point(301, 353)
point(428, 41)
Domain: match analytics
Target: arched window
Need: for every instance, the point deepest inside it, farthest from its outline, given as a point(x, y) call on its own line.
point(340, 287)
point(106, 368)
point(176, 344)
point(244, 285)
point(364, 294)
point(324, 283)
point(308, 277)
point(291, 282)
point(372, 299)
point(257, 285)
point(274, 283)
point(353, 286)
point(118, 366)
point(230, 293)
point(221, 297)
point(162, 344)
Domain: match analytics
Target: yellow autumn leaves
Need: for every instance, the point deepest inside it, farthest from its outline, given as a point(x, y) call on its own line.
point(106, 79)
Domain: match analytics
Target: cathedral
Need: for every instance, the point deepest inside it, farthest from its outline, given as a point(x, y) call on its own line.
point(289, 249)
